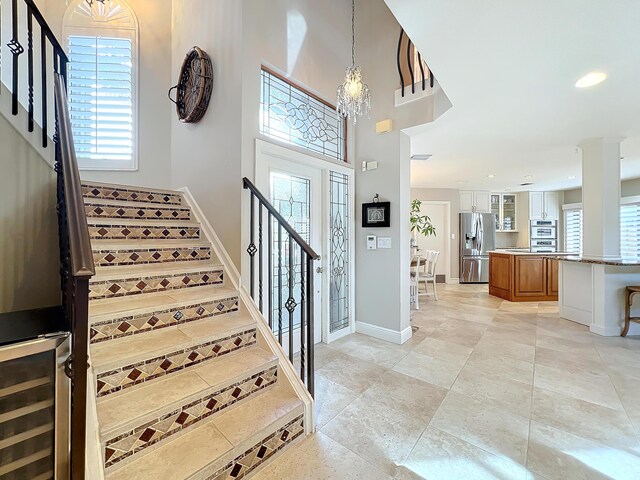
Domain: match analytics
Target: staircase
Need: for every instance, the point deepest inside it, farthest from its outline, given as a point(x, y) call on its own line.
point(186, 384)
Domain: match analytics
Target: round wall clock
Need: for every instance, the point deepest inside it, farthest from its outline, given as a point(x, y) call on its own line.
point(194, 87)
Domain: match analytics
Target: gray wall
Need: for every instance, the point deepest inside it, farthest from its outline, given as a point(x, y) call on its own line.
point(629, 188)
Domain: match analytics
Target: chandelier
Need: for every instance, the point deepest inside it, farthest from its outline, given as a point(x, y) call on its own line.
point(354, 97)
point(91, 2)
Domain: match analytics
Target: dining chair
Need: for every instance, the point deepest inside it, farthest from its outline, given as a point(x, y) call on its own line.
point(414, 270)
point(427, 272)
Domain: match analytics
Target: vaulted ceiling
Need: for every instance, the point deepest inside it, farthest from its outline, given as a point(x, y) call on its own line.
point(509, 69)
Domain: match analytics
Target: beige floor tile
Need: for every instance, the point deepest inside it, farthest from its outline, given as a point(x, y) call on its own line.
point(585, 419)
point(493, 429)
point(324, 354)
point(628, 389)
point(330, 399)
point(510, 334)
point(320, 458)
point(364, 347)
point(506, 348)
point(413, 397)
point(377, 433)
point(589, 386)
point(566, 345)
point(351, 372)
point(441, 372)
point(560, 455)
point(495, 363)
point(443, 350)
point(493, 389)
point(440, 456)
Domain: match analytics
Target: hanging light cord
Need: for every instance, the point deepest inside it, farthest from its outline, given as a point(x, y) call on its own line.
point(353, 32)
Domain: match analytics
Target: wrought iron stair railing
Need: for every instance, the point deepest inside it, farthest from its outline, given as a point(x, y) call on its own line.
point(291, 252)
point(76, 259)
point(412, 69)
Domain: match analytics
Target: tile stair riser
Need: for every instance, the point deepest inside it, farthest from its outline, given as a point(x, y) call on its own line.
point(90, 191)
point(141, 212)
point(144, 256)
point(127, 376)
point(127, 446)
point(147, 322)
point(256, 451)
point(113, 231)
point(141, 284)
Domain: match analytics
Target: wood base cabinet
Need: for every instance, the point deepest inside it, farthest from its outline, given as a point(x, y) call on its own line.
point(523, 278)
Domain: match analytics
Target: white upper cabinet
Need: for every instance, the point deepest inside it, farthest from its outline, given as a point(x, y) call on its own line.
point(544, 205)
point(475, 201)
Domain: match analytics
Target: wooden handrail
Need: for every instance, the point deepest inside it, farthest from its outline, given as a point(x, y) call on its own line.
point(80, 252)
point(281, 220)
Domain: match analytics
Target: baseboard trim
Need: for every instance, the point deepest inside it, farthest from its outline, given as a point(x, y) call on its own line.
point(453, 281)
point(385, 334)
point(611, 331)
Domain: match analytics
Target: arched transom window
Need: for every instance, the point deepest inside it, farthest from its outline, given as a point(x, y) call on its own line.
point(102, 40)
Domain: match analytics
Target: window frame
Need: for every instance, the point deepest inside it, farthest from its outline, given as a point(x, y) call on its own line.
point(567, 208)
point(101, 29)
point(305, 91)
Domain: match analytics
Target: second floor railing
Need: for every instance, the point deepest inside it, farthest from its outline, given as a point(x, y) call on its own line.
point(412, 69)
point(46, 57)
point(282, 264)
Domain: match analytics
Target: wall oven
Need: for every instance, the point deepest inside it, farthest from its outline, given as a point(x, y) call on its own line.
point(544, 236)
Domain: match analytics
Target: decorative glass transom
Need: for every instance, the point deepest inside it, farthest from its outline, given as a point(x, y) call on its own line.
point(290, 113)
point(339, 255)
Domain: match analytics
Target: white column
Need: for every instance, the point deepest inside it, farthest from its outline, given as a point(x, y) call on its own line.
point(601, 198)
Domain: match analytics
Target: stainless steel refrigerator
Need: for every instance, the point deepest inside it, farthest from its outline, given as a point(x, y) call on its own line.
point(477, 239)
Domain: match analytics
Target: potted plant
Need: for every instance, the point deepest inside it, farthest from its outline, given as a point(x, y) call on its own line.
point(420, 224)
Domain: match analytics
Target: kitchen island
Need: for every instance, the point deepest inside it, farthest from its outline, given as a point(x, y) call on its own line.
point(523, 276)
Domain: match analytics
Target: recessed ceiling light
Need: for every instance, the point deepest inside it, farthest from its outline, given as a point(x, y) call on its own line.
point(421, 156)
point(571, 177)
point(591, 79)
point(491, 175)
point(528, 176)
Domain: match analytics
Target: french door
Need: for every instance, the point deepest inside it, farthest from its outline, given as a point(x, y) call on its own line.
point(315, 197)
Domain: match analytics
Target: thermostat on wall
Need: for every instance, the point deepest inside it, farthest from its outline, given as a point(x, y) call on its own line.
point(371, 242)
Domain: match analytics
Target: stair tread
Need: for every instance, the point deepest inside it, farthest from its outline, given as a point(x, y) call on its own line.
point(127, 350)
point(193, 451)
point(153, 269)
point(105, 308)
point(112, 202)
point(132, 188)
point(132, 407)
point(146, 244)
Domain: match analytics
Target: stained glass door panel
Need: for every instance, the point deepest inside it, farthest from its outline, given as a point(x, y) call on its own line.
point(339, 252)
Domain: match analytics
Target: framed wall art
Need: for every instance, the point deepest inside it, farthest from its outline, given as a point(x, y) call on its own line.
point(376, 214)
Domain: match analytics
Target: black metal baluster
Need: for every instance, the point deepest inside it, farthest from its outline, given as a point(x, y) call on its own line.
point(310, 328)
point(43, 66)
point(290, 301)
point(303, 312)
point(270, 268)
point(280, 283)
point(431, 78)
point(63, 68)
point(410, 65)
point(251, 250)
point(16, 49)
point(260, 259)
point(56, 61)
point(399, 62)
point(30, 65)
point(424, 83)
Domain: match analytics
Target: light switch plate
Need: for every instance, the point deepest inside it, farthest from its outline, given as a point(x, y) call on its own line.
point(384, 242)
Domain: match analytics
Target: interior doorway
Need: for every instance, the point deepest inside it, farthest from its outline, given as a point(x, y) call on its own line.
point(440, 214)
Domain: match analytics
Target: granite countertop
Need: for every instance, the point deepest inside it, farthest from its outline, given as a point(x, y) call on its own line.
point(616, 263)
point(509, 251)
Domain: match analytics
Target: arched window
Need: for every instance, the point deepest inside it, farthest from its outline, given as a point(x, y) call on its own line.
point(102, 41)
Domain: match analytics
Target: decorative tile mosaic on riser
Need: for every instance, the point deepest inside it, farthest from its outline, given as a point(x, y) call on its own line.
point(146, 370)
point(132, 232)
point(246, 463)
point(136, 440)
point(132, 325)
point(130, 195)
point(142, 256)
point(138, 285)
point(139, 212)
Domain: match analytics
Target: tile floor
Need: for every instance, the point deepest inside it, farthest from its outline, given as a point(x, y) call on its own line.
point(485, 389)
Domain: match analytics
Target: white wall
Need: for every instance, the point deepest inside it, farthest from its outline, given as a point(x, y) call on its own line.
point(629, 188)
point(155, 111)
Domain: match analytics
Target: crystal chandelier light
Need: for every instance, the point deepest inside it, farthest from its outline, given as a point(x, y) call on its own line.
point(90, 2)
point(354, 97)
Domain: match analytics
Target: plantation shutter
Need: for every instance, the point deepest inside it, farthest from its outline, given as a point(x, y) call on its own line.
point(630, 230)
point(101, 99)
point(573, 230)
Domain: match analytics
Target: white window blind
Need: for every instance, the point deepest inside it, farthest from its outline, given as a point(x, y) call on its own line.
point(101, 101)
point(573, 230)
point(630, 230)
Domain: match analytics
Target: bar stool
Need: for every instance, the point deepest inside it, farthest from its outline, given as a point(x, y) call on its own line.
point(631, 292)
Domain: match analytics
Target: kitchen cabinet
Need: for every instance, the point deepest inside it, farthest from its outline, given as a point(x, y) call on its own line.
point(523, 277)
point(544, 206)
point(503, 207)
point(475, 201)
